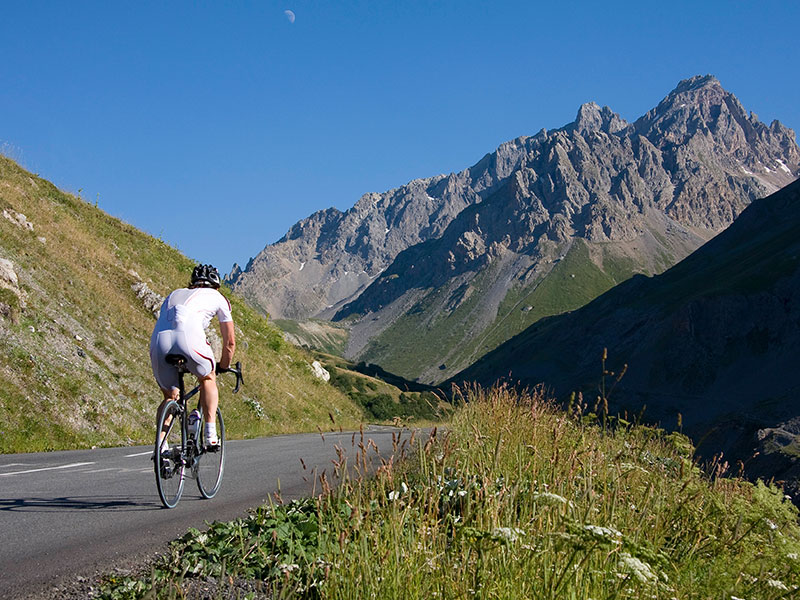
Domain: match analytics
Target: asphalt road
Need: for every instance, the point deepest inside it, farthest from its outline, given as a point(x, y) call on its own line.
point(65, 515)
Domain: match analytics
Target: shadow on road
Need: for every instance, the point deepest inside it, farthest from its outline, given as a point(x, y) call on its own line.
point(94, 503)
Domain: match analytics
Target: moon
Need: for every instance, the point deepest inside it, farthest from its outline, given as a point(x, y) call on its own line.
point(289, 15)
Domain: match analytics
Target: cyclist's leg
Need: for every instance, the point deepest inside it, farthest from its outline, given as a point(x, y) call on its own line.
point(200, 361)
point(209, 402)
point(165, 374)
point(209, 397)
point(169, 395)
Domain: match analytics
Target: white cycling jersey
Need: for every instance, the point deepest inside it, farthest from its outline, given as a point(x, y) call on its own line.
point(180, 329)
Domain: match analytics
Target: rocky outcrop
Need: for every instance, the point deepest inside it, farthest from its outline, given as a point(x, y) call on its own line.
point(18, 219)
point(319, 371)
point(777, 456)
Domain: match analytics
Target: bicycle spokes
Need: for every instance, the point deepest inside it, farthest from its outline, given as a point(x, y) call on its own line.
point(169, 463)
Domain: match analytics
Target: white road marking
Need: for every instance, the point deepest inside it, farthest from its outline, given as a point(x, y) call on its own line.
point(139, 454)
point(46, 469)
point(16, 465)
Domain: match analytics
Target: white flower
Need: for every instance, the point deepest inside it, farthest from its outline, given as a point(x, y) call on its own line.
point(778, 585)
point(771, 525)
point(632, 467)
point(792, 556)
point(403, 487)
point(462, 493)
point(549, 498)
point(393, 495)
point(604, 533)
point(285, 568)
point(512, 534)
point(640, 570)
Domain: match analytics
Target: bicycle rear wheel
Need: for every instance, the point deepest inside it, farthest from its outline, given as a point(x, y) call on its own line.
point(211, 462)
point(169, 465)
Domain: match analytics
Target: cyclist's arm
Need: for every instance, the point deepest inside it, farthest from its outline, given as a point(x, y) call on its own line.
point(228, 344)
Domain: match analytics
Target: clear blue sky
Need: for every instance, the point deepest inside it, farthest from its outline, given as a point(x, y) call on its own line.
point(217, 125)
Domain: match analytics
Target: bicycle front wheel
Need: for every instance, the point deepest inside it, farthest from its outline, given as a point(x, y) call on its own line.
point(211, 462)
point(169, 464)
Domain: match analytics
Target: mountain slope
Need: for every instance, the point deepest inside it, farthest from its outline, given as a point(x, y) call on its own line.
point(713, 339)
point(77, 293)
point(588, 206)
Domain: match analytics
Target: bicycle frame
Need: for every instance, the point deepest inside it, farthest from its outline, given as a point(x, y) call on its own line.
point(189, 453)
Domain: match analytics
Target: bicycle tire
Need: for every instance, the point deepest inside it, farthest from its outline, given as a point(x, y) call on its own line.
point(211, 463)
point(169, 467)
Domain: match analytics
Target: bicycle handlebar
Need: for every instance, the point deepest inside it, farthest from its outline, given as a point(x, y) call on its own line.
point(237, 370)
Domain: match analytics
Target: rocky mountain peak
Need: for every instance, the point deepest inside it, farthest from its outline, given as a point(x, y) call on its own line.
point(593, 118)
point(697, 82)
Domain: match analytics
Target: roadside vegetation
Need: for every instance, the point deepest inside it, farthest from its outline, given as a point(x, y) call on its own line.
point(386, 397)
point(519, 499)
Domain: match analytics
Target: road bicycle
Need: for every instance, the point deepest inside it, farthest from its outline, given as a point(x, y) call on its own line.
point(185, 448)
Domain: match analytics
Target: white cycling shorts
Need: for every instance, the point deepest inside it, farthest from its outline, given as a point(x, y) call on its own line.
point(198, 353)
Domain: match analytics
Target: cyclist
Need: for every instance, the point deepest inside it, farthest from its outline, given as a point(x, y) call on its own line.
point(180, 329)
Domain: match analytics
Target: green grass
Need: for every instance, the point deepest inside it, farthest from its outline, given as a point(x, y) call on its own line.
point(518, 500)
point(385, 397)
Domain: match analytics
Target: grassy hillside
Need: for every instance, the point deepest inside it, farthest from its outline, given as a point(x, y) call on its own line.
point(433, 328)
point(74, 333)
point(518, 500)
point(384, 396)
point(316, 334)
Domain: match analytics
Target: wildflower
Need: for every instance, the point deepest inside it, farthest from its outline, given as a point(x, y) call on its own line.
point(778, 585)
point(792, 556)
point(633, 467)
point(640, 570)
point(394, 495)
point(288, 568)
point(403, 487)
point(549, 498)
point(604, 533)
point(771, 525)
point(511, 534)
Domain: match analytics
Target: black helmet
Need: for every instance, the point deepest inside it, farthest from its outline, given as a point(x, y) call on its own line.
point(205, 276)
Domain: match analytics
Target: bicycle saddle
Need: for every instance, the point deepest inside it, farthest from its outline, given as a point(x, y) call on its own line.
point(176, 360)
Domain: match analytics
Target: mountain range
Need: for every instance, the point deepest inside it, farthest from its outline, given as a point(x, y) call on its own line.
point(431, 276)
